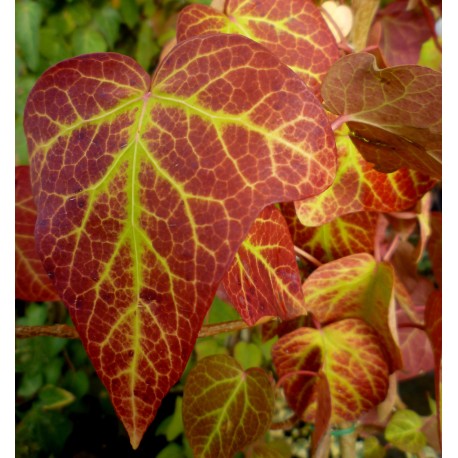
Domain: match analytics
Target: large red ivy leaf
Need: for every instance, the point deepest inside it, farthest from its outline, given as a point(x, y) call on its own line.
point(359, 187)
point(348, 234)
point(145, 190)
point(264, 280)
point(224, 407)
point(394, 114)
point(32, 283)
point(356, 286)
point(294, 31)
point(352, 358)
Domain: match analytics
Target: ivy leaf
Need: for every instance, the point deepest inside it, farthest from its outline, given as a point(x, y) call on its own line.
point(32, 283)
point(345, 235)
point(54, 398)
point(274, 449)
point(394, 114)
point(359, 187)
point(433, 326)
point(352, 358)
point(28, 20)
point(86, 40)
point(403, 33)
point(108, 21)
point(404, 431)
point(263, 280)
point(435, 246)
point(294, 31)
point(356, 286)
point(145, 190)
point(224, 407)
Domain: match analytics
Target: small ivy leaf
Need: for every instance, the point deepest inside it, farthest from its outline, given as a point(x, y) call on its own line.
point(294, 31)
point(225, 408)
point(394, 114)
point(145, 189)
point(54, 398)
point(433, 326)
point(372, 448)
point(264, 279)
point(345, 235)
point(404, 431)
point(435, 246)
point(356, 286)
point(403, 33)
point(359, 187)
point(32, 282)
point(351, 356)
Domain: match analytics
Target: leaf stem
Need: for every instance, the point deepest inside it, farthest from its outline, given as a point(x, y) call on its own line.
point(392, 248)
point(411, 325)
point(307, 256)
point(68, 332)
point(338, 122)
point(348, 442)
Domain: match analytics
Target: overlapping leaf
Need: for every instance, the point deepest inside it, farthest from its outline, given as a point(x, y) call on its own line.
point(355, 287)
point(263, 280)
point(32, 283)
point(359, 187)
point(351, 356)
point(435, 246)
point(294, 31)
point(404, 431)
point(394, 114)
point(345, 235)
point(224, 407)
point(146, 189)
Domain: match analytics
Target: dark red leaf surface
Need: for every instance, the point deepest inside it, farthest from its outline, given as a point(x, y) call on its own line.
point(350, 355)
point(145, 190)
point(32, 283)
point(403, 33)
point(264, 279)
point(435, 246)
point(224, 407)
point(394, 114)
point(292, 30)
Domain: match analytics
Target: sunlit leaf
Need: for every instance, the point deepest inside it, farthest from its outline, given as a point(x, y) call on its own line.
point(294, 31)
point(264, 279)
point(224, 407)
point(344, 235)
point(365, 11)
point(373, 448)
point(359, 187)
point(404, 431)
point(32, 283)
point(338, 17)
point(394, 114)
point(355, 287)
point(146, 190)
point(349, 353)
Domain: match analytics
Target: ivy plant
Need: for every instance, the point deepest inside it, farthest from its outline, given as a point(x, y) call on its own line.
point(279, 156)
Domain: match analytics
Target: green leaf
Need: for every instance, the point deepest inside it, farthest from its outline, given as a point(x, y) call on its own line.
point(87, 40)
point(77, 382)
point(53, 46)
point(80, 13)
point(54, 398)
point(172, 426)
point(208, 347)
point(404, 431)
point(22, 156)
point(224, 407)
point(171, 451)
point(30, 384)
point(28, 19)
point(247, 354)
point(130, 12)
point(108, 21)
point(372, 448)
point(146, 48)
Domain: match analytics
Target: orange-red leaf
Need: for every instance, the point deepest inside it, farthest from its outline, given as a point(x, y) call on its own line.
point(32, 283)
point(359, 187)
point(292, 30)
point(224, 407)
point(146, 188)
point(355, 287)
point(264, 279)
point(394, 114)
point(351, 356)
point(344, 235)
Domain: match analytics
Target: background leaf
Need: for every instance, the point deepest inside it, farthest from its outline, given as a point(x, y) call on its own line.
point(28, 19)
point(404, 431)
point(225, 408)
